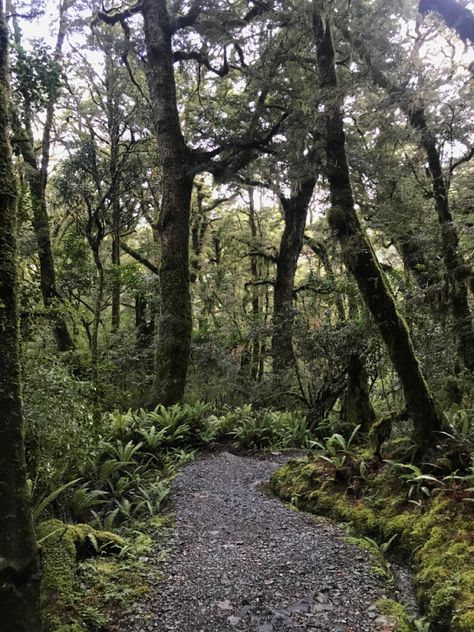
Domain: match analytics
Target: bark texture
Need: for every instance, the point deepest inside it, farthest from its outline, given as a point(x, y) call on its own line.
point(175, 327)
point(113, 125)
point(357, 251)
point(19, 560)
point(356, 406)
point(295, 209)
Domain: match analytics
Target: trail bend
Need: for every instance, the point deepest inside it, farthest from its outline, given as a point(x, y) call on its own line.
point(240, 560)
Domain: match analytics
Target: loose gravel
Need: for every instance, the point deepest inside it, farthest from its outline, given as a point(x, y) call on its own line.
point(241, 560)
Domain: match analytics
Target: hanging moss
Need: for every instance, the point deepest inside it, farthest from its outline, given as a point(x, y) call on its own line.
point(438, 539)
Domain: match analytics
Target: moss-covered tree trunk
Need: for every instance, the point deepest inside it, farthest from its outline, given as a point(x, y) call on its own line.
point(37, 176)
point(356, 406)
point(19, 560)
point(295, 209)
point(113, 128)
point(456, 267)
point(357, 251)
point(255, 346)
point(175, 327)
point(320, 250)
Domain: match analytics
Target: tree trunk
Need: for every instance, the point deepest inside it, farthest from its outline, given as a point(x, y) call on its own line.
point(19, 560)
point(114, 138)
point(175, 325)
point(357, 251)
point(295, 211)
point(356, 406)
point(94, 338)
point(37, 176)
point(320, 250)
point(255, 348)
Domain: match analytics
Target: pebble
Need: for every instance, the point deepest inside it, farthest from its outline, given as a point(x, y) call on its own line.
point(241, 560)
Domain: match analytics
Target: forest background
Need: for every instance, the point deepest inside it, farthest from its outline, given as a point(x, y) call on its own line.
point(261, 209)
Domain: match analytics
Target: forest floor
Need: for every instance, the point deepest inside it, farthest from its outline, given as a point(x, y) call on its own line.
point(238, 559)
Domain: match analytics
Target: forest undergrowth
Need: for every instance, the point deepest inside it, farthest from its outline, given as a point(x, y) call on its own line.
point(100, 514)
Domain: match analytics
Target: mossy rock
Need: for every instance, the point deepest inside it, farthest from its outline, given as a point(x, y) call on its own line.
point(438, 537)
point(61, 544)
point(396, 613)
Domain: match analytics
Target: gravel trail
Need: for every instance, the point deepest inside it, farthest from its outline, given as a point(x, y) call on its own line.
point(241, 560)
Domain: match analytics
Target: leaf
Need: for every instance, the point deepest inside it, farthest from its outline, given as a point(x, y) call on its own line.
point(41, 506)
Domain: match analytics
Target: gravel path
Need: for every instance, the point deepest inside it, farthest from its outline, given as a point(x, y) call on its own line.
point(241, 560)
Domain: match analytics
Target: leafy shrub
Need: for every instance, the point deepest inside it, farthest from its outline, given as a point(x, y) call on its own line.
point(59, 431)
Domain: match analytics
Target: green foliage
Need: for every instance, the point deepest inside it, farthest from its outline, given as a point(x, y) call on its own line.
point(259, 428)
point(37, 77)
point(336, 449)
point(418, 483)
point(58, 423)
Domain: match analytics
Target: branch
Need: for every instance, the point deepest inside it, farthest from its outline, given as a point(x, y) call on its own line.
point(181, 55)
point(256, 10)
point(25, 16)
point(112, 16)
point(189, 19)
point(263, 255)
point(457, 17)
point(126, 34)
point(140, 258)
point(261, 282)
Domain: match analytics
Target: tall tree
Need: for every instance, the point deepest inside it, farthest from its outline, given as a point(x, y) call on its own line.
point(295, 211)
point(37, 169)
point(357, 251)
point(19, 559)
point(178, 164)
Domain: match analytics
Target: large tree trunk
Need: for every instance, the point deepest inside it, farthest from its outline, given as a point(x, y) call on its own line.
point(295, 211)
point(175, 162)
point(457, 269)
point(357, 251)
point(19, 560)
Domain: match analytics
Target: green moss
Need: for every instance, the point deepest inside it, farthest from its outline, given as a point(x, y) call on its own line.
point(58, 560)
point(380, 566)
point(397, 613)
point(437, 536)
point(60, 546)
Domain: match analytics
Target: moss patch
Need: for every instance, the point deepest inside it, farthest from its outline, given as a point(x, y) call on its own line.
point(61, 545)
point(396, 613)
point(437, 536)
